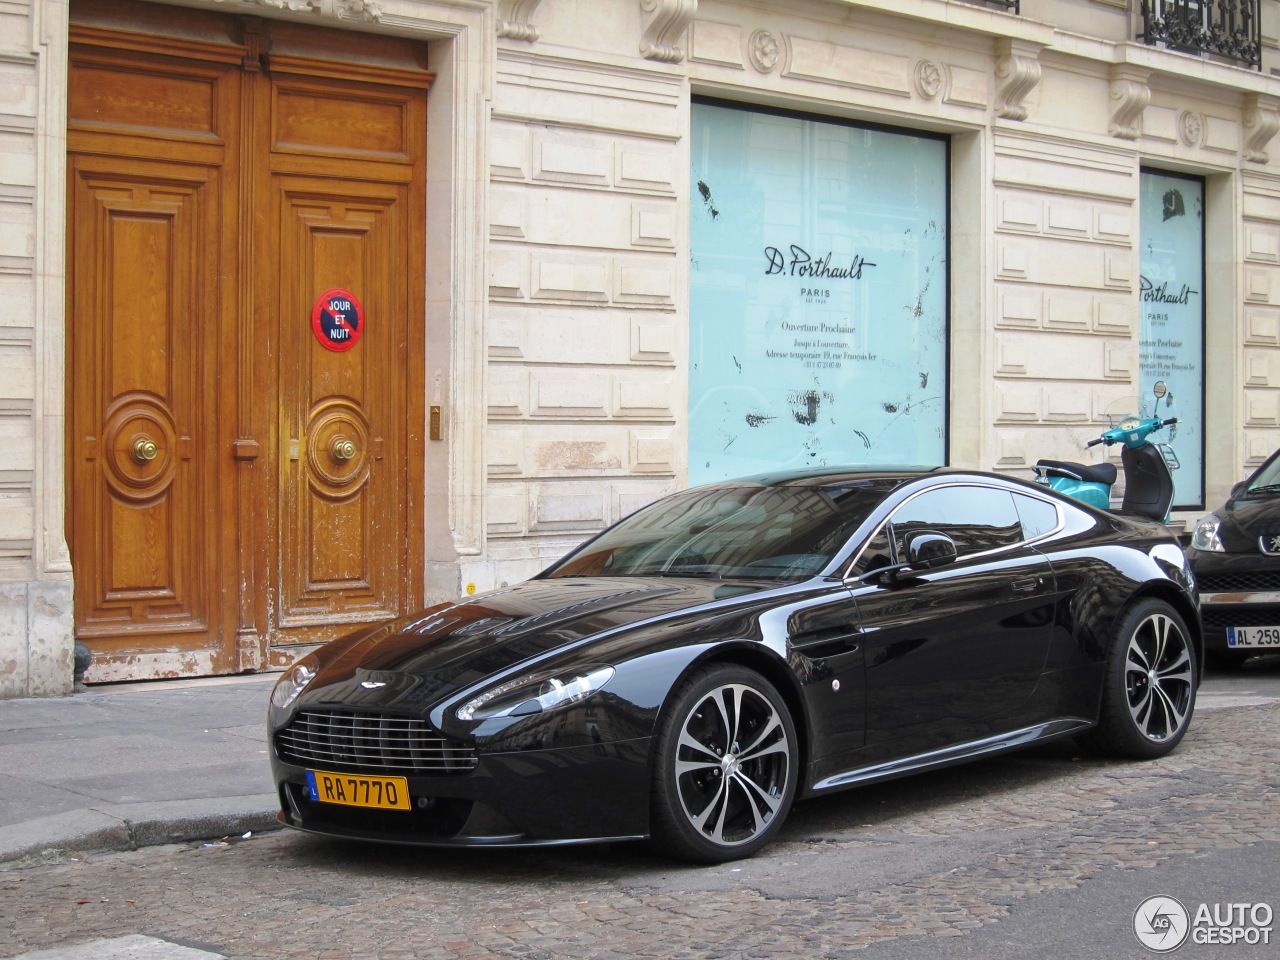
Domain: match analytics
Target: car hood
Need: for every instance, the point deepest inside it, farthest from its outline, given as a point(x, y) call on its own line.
point(419, 660)
point(1246, 519)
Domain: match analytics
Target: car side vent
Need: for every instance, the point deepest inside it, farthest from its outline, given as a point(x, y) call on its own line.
point(374, 743)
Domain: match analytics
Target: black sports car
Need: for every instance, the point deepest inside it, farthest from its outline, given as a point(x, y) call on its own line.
point(687, 674)
point(1235, 552)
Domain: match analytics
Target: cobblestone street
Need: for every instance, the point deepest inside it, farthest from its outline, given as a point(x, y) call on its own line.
point(1056, 848)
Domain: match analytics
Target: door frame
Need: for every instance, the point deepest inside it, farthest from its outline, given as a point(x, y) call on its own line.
point(242, 439)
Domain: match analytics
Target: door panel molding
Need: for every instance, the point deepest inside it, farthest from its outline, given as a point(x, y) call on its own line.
point(142, 345)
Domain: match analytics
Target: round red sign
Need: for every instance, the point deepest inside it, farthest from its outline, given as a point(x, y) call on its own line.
point(337, 319)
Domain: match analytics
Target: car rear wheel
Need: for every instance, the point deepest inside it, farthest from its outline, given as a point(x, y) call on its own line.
point(725, 769)
point(1149, 689)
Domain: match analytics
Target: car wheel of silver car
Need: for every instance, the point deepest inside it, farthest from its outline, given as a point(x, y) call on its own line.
point(1149, 690)
point(725, 768)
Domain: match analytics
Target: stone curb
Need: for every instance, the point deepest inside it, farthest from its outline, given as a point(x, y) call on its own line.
point(128, 826)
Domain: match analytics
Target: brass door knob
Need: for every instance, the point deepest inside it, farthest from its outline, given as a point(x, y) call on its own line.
point(342, 449)
point(145, 449)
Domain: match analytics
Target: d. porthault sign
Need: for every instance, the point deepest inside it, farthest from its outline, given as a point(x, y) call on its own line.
point(818, 293)
point(800, 264)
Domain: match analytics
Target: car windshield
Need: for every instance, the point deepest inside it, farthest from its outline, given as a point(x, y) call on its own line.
point(722, 531)
point(1267, 479)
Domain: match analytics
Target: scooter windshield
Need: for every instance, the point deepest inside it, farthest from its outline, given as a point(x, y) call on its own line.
point(1126, 413)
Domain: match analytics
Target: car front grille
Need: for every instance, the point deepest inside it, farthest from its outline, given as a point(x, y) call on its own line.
point(1221, 617)
point(1245, 582)
point(373, 743)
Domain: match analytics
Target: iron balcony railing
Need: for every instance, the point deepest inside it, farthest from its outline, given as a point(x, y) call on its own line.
point(1010, 5)
point(1224, 28)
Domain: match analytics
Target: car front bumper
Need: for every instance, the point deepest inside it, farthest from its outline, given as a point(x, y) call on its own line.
point(566, 795)
point(1236, 590)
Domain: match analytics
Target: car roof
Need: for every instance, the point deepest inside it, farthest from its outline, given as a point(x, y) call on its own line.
point(844, 473)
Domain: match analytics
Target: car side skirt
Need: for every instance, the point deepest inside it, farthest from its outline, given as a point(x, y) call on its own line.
point(1012, 740)
point(511, 840)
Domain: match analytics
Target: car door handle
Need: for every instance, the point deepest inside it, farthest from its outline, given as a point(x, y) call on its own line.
point(1026, 586)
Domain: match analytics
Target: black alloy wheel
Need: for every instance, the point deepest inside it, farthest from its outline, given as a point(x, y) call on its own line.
point(725, 767)
point(1149, 690)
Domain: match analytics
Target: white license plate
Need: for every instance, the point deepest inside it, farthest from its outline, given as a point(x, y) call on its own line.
point(1253, 637)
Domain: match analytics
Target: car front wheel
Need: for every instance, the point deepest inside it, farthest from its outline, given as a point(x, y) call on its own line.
point(1149, 689)
point(725, 767)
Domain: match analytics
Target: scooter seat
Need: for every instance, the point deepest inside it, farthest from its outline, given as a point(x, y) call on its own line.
point(1090, 473)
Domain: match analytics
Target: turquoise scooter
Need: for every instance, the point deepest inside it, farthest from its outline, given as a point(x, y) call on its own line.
point(1148, 468)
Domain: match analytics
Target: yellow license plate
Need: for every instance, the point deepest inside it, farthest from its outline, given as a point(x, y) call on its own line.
point(352, 790)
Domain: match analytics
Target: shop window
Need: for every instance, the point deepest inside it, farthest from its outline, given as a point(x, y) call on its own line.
point(818, 294)
point(1171, 348)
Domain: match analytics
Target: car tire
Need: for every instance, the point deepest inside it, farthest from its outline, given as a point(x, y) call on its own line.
point(1149, 689)
point(1224, 661)
point(725, 766)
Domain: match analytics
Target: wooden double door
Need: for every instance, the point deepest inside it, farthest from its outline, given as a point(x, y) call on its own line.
point(238, 486)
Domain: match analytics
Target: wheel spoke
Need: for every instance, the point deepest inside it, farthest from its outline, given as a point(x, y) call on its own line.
point(754, 792)
point(1141, 711)
point(778, 746)
point(1160, 629)
point(749, 751)
point(726, 723)
point(1137, 659)
point(731, 729)
point(717, 834)
point(695, 766)
point(1173, 716)
point(699, 819)
point(1146, 715)
point(687, 740)
point(757, 791)
point(1179, 670)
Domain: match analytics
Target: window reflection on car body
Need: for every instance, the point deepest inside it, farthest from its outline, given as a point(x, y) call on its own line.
point(701, 574)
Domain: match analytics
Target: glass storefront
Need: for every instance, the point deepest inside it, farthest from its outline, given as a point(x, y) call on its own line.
point(1171, 349)
point(818, 294)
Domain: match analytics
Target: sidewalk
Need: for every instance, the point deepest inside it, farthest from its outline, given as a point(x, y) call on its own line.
point(128, 765)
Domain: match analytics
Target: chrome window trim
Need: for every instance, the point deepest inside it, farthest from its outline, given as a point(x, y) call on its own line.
point(849, 577)
point(1057, 528)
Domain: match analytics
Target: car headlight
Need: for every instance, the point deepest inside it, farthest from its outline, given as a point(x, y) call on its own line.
point(1206, 536)
point(536, 693)
point(294, 681)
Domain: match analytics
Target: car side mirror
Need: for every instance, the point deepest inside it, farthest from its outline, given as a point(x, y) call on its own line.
point(1239, 488)
point(927, 549)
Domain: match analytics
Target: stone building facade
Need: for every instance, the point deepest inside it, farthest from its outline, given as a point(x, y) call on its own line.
point(550, 389)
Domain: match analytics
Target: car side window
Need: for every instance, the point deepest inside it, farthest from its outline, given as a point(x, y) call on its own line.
point(878, 553)
point(1038, 516)
point(976, 518)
